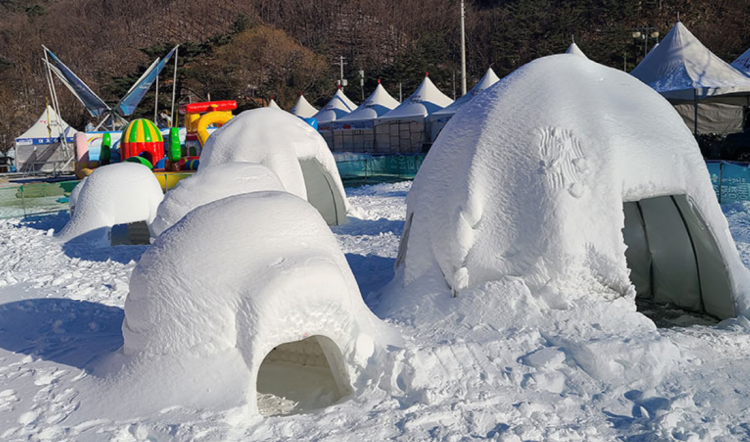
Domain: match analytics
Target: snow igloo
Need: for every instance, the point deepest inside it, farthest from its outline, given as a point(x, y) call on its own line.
point(572, 176)
point(288, 146)
point(117, 194)
point(212, 184)
point(260, 274)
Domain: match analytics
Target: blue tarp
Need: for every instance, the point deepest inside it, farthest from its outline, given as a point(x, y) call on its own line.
point(95, 105)
point(130, 101)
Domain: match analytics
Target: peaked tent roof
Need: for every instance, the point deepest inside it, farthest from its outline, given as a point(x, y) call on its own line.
point(488, 80)
point(273, 104)
point(742, 63)
point(302, 108)
point(574, 49)
point(335, 109)
point(352, 105)
point(378, 103)
point(48, 125)
point(424, 101)
point(682, 68)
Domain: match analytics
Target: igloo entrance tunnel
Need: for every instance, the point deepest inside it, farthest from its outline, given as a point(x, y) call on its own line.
point(260, 274)
point(574, 178)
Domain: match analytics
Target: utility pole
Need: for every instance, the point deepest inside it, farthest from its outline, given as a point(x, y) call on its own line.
point(463, 50)
point(362, 83)
point(342, 82)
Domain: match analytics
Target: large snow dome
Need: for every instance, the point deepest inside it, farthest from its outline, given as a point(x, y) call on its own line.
point(260, 274)
point(115, 194)
point(536, 178)
point(212, 184)
point(288, 146)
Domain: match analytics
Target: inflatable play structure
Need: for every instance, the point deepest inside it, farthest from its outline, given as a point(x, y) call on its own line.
point(172, 154)
point(608, 195)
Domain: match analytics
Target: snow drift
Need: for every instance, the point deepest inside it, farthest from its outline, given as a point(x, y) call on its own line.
point(536, 178)
point(271, 275)
point(116, 194)
point(288, 146)
point(212, 184)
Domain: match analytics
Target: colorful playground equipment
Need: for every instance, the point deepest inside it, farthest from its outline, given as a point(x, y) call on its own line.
point(163, 152)
point(199, 116)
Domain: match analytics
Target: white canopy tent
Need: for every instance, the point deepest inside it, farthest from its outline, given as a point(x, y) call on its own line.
point(273, 104)
point(40, 148)
point(355, 132)
point(339, 106)
point(402, 130)
point(709, 93)
point(440, 118)
point(303, 108)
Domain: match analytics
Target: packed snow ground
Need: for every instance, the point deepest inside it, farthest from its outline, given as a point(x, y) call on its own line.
point(501, 364)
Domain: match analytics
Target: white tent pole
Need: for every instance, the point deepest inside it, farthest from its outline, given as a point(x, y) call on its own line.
point(156, 101)
point(174, 86)
point(56, 108)
point(463, 50)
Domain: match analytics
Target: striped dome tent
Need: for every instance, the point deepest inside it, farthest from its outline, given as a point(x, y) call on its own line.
point(142, 139)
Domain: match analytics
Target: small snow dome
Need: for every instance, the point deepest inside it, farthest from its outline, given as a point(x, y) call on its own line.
point(212, 184)
point(288, 146)
point(259, 274)
point(573, 177)
point(119, 193)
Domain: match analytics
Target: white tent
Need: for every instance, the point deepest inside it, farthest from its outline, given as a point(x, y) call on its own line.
point(40, 148)
point(336, 108)
point(354, 132)
point(559, 144)
point(742, 63)
point(258, 282)
point(402, 130)
point(686, 73)
point(288, 146)
point(575, 50)
point(273, 104)
point(437, 120)
point(302, 108)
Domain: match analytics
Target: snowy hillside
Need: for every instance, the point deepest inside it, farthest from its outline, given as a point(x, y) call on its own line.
point(595, 370)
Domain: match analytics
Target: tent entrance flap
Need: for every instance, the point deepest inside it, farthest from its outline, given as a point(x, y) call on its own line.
point(297, 377)
point(673, 257)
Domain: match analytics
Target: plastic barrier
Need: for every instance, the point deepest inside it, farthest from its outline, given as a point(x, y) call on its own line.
point(20, 201)
point(731, 180)
point(359, 169)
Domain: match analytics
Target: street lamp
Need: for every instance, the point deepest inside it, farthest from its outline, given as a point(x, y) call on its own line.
point(645, 33)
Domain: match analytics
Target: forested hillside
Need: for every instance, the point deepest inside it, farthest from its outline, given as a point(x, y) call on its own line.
point(249, 50)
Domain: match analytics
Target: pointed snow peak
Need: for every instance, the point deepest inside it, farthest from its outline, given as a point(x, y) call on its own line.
point(575, 50)
point(681, 67)
point(303, 108)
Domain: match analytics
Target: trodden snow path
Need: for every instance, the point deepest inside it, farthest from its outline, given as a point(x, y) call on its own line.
point(499, 365)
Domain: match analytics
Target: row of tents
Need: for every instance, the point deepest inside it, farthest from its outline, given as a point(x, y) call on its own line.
point(710, 94)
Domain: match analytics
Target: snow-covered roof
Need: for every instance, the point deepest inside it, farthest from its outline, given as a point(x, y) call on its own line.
point(680, 67)
point(424, 101)
point(273, 104)
point(561, 143)
point(115, 194)
point(487, 80)
point(574, 49)
point(242, 276)
point(742, 63)
point(336, 108)
point(302, 108)
point(288, 146)
point(212, 184)
point(378, 103)
point(48, 125)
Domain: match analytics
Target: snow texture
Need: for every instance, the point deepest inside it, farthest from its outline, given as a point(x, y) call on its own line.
point(115, 194)
point(271, 273)
point(517, 190)
point(288, 146)
point(212, 184)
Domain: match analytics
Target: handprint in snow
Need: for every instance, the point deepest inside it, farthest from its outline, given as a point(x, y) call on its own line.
point(562, 163)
